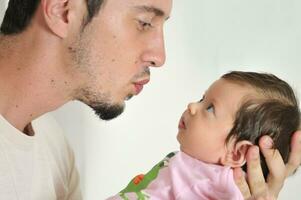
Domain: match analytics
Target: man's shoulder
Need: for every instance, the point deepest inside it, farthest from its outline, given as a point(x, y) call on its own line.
point(50, 137)
point(49, 133)
point(47, 128)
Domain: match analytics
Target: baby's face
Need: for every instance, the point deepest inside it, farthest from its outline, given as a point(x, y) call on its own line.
point(205, 125)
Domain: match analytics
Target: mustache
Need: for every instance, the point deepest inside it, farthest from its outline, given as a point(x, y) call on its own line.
point(145, 72)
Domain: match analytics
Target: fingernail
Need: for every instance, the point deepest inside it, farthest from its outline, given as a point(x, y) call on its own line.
point(268, 143)
point(255, 152)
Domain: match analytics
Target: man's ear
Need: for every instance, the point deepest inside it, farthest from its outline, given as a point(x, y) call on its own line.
point(56, 16)
point(236, 156)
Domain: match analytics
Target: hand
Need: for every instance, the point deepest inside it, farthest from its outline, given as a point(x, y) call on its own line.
point(257, 188)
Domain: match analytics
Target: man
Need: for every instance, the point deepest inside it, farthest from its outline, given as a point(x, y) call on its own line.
point(95, 51)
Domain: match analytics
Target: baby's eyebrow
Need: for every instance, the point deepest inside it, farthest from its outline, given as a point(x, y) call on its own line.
point(202, 98)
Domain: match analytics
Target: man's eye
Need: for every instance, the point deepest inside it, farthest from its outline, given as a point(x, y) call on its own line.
point(144, 25)
point(210, 108)
point(201, 100)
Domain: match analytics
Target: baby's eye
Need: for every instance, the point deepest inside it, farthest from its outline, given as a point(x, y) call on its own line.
point(210, 108)
point(201, 100)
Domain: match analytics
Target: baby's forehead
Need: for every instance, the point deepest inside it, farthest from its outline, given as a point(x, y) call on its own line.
point(229, 88)
point(229, 96)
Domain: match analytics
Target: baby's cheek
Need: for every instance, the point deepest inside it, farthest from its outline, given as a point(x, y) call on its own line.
point(208, 153)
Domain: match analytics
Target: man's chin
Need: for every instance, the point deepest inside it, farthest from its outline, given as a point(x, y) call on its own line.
point(108, 112)
point(129, 97)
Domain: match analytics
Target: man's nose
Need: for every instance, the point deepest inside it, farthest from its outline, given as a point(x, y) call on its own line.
point(155, 53)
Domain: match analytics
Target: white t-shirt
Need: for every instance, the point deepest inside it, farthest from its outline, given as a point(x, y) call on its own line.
point(39, 167)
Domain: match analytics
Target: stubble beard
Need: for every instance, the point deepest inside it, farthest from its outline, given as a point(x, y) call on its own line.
point(101, 103)
point(106, 111)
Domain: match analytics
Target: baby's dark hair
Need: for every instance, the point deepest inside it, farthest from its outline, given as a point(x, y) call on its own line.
point(273, 111)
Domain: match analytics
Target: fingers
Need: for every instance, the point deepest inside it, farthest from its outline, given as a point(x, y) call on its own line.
point(277, 169)
point(295, 155)
point(241, 183)
point(256, 179)
point(276, 166)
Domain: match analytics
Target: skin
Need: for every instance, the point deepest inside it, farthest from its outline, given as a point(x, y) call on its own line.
point(208, 123)
point(192, 142)
point(254, 187)
point(56, 61)
point(72, 63)
point(109, 72)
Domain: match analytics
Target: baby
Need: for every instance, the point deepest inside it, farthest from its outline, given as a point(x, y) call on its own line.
point(215, 134)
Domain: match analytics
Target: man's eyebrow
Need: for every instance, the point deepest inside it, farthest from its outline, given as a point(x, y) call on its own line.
point(151, 9)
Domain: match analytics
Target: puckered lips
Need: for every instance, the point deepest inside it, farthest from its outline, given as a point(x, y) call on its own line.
point(139, 85)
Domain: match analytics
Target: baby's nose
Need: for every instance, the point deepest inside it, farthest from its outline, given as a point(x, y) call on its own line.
point(192, 108)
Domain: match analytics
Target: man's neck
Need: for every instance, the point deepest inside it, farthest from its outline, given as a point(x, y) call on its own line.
point(30, 84)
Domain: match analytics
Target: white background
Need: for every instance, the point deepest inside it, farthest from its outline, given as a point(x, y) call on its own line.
point(204, 39)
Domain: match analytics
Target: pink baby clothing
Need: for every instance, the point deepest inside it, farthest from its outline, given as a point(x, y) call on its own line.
point(181, 177)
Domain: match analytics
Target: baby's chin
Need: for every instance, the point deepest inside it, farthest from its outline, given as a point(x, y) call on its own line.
point(182, 149)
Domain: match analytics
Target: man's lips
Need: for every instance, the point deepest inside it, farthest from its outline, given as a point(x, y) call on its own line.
point(182, 124)
point(139, 85)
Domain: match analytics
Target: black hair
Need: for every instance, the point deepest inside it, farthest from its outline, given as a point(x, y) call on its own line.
point(275, 112)
point(19, 14)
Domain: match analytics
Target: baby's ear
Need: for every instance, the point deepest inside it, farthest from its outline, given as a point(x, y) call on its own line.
point(236, 154)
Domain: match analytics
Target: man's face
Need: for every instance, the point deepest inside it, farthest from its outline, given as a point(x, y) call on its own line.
point(205, 125)
point(112, 56)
